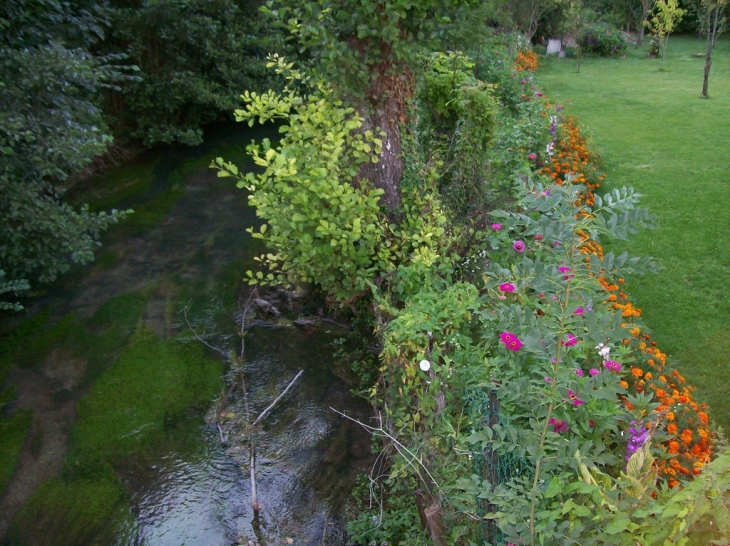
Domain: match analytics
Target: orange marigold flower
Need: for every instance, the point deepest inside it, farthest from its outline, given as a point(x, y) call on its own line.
point(648, 376)
point(687, 436)
point(637, 372)
point(673, 447)
point(670, 416)
point(624, 384)
point(672, 429)
point(703, 417)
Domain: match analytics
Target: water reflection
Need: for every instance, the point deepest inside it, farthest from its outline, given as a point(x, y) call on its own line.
point(307, 458)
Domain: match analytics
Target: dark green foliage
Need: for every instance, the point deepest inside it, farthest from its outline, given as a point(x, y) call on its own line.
point(601, 39)
point(51, 127)
point(196, 58)
point(462, 118)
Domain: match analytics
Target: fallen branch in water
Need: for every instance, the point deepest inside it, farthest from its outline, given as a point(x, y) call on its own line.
point(271, 406)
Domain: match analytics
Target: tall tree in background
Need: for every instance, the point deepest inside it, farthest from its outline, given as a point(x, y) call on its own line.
point(368, 48)
point(526, 14)
point(51, 127)
point(195, 57)
point(713, 20)
point(646, 6)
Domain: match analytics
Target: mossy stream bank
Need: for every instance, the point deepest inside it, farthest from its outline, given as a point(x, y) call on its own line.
point(115, 410)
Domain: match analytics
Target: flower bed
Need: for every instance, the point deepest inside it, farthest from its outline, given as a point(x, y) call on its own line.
point(682, 424)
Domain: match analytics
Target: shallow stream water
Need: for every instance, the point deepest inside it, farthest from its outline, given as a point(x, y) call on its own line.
point(307, 455)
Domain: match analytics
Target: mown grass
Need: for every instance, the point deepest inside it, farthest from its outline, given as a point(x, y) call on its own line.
point(656, 134)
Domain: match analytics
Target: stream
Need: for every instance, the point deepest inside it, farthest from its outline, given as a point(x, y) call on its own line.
point(196, 489)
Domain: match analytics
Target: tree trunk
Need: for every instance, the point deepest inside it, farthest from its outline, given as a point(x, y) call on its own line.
point(645, 5)
point(708, 64)
point(386, 111)
point(713, 18)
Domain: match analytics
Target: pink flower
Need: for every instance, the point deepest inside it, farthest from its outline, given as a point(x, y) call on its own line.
point(538, 237)
point(572, 340)
point(579, 311)
point(532, 157)
point(563, 269)
point(612, 366)
point(507, 287)
point(496, 227)
point(594, 372)
point(574, 399)
point(579, 372)
point(511, 341)
point(519, 246)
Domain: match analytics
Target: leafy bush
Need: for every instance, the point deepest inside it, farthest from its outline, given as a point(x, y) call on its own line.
point(601, 39)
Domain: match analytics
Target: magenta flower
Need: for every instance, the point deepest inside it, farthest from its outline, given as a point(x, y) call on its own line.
point(558, 426)
point(572, 340)
point(612, 366)
point(579, 311)
point(519, 246)
point(563, 269)
point(496, 227)
point(579, 372)
point(507, 287)
point(532, 157)
point(594, 372)
point(574, 399)
point(511, 341)
point(538, 237)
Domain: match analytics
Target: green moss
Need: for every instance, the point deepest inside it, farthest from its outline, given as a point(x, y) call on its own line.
point(63, 513)
point(67, 332)
point(13, 432)
point(154, 385)
point(117, 187)
point(20, 337)
point(148, 214)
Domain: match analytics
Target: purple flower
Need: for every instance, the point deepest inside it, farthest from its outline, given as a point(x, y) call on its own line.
point(572, 340)
point(638, 435)
point(612, 366)
point(496, 227)
point(511, 341)
point(507, 287)
point(594, 372)
point(519, 246)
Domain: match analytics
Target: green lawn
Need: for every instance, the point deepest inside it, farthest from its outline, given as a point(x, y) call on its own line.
point(657, 135)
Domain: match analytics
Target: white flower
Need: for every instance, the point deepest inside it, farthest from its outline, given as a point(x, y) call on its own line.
point(425, 365)
point(603, 350)
point(550, 148)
